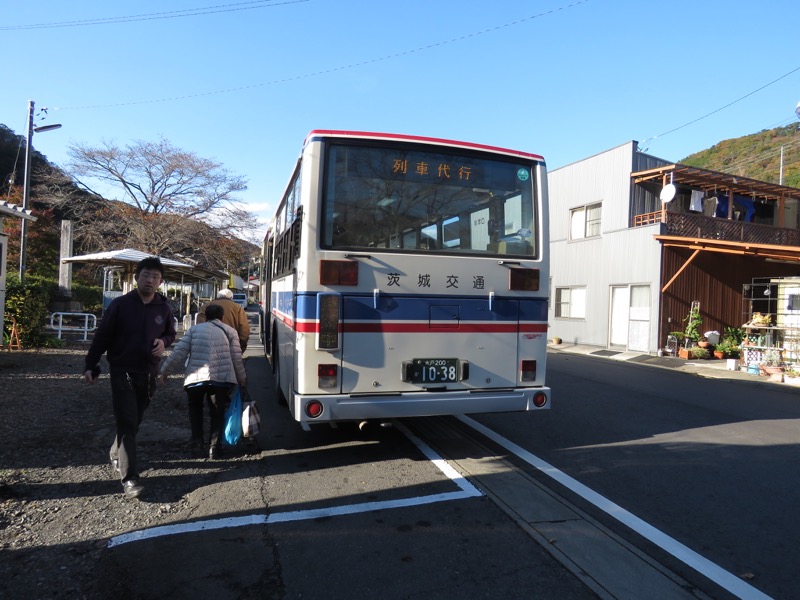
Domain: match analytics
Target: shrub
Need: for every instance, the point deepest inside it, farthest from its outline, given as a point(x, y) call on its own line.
point(90, 297)
point(734, 335)
point(28, 303)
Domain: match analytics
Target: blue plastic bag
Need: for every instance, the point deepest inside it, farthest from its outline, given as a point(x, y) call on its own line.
point(233, 419)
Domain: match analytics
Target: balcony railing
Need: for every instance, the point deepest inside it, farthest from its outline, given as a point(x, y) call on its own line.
point(647, 219)
point(712, 228)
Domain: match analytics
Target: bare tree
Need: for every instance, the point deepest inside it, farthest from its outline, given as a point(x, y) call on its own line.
point(167, 195)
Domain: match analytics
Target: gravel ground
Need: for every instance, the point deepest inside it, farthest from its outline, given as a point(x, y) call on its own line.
point(59, 500)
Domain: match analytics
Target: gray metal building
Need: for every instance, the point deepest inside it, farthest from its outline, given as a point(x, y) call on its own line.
point(626, 266)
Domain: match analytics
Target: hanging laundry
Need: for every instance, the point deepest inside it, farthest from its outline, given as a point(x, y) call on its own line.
point(696, 203)
point(710, 206)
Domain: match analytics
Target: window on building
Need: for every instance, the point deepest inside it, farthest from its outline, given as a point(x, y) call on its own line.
point(571, 302)
point(584, 221)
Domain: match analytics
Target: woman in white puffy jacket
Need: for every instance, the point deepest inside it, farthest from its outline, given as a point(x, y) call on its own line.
point(213, 363)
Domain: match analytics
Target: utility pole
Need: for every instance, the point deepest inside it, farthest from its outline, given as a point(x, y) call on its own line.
point(26, 184)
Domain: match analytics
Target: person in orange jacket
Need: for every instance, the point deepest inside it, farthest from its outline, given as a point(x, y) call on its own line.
point(234, 316)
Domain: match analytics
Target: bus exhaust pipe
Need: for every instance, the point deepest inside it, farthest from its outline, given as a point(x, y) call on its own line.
point(383, 425)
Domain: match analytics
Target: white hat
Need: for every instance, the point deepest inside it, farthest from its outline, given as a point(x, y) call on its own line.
point(226, 293)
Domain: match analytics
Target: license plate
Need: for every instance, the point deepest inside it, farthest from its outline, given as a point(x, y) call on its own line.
point(434, 370)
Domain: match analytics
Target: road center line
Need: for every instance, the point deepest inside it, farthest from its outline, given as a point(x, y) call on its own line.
point(711, 570)
point(467, 490)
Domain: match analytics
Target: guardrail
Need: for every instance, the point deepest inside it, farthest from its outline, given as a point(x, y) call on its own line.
point(73, 323)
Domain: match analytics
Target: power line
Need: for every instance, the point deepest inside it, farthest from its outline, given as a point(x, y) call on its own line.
point(763, 156)
point(339, 68)
point(713, 112)
point(783, 122)
point(175, 14)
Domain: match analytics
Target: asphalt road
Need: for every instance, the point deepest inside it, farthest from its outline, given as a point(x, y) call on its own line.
point(344, 513)
point(712, 463)
point(339, 513)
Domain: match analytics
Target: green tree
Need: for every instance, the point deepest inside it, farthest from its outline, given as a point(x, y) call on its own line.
point(757, 156)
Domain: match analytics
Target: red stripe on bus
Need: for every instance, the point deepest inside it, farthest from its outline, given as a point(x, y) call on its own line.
point(420, 138)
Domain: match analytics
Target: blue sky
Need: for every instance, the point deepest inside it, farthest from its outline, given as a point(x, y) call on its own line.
point(244, 82)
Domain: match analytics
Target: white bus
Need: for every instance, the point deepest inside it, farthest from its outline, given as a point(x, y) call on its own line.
point(407, 276)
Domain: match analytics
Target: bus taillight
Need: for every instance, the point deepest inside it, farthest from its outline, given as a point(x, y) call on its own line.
point(539, 399)
point(314, 409)
point(338, 272)
point(528, 370)
point(326, 375)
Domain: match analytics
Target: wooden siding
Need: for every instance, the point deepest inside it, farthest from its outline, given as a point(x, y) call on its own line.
point(715, 280)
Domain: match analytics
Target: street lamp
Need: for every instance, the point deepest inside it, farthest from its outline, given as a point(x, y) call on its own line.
point(26, 184)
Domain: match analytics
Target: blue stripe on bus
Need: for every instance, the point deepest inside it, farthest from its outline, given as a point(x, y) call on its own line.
point(415, 308)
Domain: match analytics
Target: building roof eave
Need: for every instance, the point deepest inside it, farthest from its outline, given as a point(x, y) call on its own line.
point(708, 180)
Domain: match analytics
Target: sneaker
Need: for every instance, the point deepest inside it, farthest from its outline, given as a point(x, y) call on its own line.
point(131, 488)
point(115, 465)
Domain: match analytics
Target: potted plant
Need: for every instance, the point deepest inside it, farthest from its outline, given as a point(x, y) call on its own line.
point(722, 349)
point(730, 342)
point(691, 332)
point(698, 353)
point(772, 365)
point(693, 321)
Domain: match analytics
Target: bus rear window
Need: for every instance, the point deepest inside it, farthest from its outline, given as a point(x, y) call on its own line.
point(401, 199)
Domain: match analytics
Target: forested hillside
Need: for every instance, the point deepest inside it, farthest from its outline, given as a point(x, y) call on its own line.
point(757, 156)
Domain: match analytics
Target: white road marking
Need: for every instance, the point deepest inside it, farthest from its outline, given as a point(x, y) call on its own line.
point(711, 570)
point(467, 491)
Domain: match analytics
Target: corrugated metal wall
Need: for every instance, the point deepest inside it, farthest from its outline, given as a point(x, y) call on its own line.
point(715, 280)
point(621, 256)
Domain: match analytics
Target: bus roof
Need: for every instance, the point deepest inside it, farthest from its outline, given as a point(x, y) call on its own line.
point(417, 138)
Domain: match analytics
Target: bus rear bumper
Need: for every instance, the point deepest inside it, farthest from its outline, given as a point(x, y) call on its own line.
point(345, 407)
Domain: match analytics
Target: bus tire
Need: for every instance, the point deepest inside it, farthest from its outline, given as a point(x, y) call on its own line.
point(276, 368)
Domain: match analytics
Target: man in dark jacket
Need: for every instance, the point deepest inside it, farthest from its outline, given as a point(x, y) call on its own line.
point(133, 332)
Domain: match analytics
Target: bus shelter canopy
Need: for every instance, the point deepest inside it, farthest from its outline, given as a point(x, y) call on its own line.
point(174, 270)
